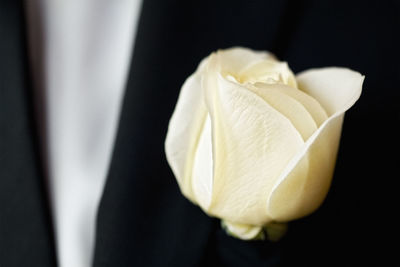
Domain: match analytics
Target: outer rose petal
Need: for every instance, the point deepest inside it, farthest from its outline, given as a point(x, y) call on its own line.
point(252, 144)
point(184, 131)
point(336, 89)
point(202, 175)
point(305, 182)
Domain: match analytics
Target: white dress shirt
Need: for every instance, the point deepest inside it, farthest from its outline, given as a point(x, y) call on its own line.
point(84, 47)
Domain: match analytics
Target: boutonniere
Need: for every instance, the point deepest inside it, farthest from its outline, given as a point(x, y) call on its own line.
point(255, 145)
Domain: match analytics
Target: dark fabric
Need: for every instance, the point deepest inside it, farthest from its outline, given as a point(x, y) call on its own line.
point(25, 229)
point(143, 219)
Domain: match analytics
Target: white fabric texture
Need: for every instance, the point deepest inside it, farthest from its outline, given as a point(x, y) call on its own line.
point(86, 48)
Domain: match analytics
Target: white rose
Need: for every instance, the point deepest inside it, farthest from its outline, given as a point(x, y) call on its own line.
point(251, 143)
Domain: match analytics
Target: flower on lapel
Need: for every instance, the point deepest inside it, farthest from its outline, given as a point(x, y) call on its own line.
point(255, 145)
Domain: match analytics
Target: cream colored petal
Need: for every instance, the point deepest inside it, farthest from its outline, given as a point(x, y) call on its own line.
point(242, 231)
point(202, 177)
point(336, 89)
point(235, 59)
point(306, 180)
point(287, 106)
point(184, 131)
point(304, 183)
point(268, 71)
point(252, 143)
point(313, 106)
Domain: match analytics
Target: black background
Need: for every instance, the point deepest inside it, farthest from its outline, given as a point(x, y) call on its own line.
point(143, 220)
point(357, 223)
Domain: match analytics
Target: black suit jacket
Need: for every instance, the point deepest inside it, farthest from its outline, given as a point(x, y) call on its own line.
point(143, 220)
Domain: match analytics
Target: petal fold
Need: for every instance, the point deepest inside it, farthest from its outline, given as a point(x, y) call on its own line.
point(289, 107)
point(336, 89)
point(184, 131)
point(252, 143)
point(305, 182)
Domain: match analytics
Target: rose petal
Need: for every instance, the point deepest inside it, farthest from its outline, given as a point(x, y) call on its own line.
point(287, 106)
point(236, 59)
point(313, 106)
point(304, 183)
point(202, 179)
point(263, 71)
point(252, 143)
point(242, 231)
point(184, 131)
point(336, 89)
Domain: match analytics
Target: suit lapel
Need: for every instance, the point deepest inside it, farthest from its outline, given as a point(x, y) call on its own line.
point(141, 200)
point(25, 228)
